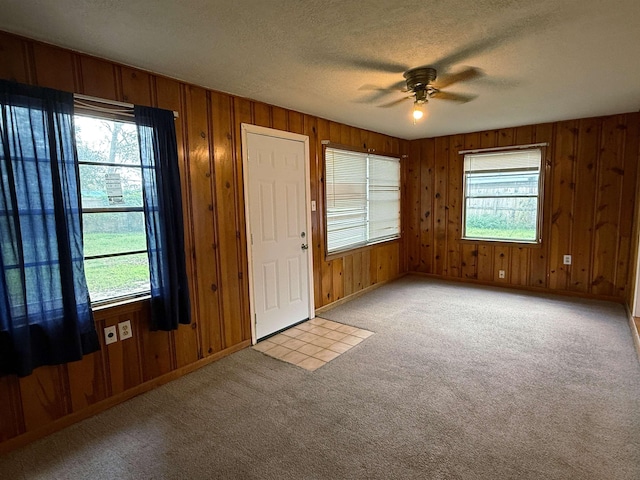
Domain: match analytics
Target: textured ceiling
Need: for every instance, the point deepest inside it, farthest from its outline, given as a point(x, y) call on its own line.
point(542, 60)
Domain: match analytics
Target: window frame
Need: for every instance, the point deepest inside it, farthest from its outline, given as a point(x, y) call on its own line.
point(544, 165)
point(114, 116)
point(329, 255)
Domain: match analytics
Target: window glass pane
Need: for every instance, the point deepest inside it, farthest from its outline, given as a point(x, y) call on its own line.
point(502, 184)
point(502, 199)
point(501, 218)
point(106, 141)
point(117, 276)
point(115, 184)
point(118, 232)
point(103, 186)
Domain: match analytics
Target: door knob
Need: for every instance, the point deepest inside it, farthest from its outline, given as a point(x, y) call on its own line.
point(304, 246)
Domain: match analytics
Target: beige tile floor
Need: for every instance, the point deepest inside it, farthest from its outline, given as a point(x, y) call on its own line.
point(314, 343)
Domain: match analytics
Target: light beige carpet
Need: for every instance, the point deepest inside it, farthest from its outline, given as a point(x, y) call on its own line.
point(458, 382)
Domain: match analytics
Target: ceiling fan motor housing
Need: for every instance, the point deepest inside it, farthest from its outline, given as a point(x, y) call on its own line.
point(419, 78)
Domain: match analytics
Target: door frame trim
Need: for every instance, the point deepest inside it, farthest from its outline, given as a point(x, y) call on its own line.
point(247, 128)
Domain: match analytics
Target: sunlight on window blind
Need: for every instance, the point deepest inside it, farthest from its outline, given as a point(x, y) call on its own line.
point(362, 198)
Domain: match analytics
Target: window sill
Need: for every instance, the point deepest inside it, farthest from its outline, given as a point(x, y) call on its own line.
point(121, 303)
point(342, 253)
point(502, 243)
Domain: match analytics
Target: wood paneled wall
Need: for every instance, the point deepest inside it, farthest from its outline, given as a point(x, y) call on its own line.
point(589, 197)
point(209, 144)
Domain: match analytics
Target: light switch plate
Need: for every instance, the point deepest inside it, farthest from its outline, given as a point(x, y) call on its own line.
point(125, 330)
point(110, 335)
point(313, 205)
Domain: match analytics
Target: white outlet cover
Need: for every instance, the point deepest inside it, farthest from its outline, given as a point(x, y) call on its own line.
point(110, 335)
point(125, 330)
point(501, 273)
point(567, 259)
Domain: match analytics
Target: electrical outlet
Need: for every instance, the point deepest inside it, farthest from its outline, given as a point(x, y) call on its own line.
point(500, 273)
point(125, 330)
point(567, 260)
point(110, 335)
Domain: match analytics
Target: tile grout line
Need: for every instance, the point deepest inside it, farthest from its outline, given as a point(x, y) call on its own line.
point(321, 331)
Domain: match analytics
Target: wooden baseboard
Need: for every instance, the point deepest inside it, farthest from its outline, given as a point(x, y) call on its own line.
point(634, 326)
point(357, 294)
point(526, 288)
point(68, 420)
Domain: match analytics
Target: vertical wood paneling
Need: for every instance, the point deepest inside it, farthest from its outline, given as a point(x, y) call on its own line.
point(54, 67)
point(357, 272)
point(226, 207)
point(13, 59)
point(241, 114)
point(43, 397)
point(412, 215)
point(427, 205)
point(440, 205)
point(562, 188)
point(202, 204)
point(155, 351)
point(347, 273)
point(296, 122)
point(316, 239)
point(454, 206)
point(262, 114)
point(337, 283)
point(11, 416)
point(124, 357)
point(98, 78)
point(136, 86)
point(585, 193)
point(626, 257)
point(610, 173)
point(590, 172)
point(88, 383)
point(279, 118)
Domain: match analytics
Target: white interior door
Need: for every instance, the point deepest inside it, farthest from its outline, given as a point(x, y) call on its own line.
point(276, 182)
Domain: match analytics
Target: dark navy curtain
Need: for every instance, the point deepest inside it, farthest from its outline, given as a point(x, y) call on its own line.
point(163, 217)
point(45, 312)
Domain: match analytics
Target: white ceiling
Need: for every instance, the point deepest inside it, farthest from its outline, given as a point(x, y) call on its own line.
point(543, 60)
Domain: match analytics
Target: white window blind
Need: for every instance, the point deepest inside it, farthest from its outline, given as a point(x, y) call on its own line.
point(362, 198)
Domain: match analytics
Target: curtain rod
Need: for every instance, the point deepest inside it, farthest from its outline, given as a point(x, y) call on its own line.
point(111, 103)
point(497, 149)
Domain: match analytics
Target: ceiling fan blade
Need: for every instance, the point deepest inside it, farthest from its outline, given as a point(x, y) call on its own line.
point(354, 62)
point(395, 102)
point(393, 88)
point(517, 30)
point(463, 76)
point(454, 97)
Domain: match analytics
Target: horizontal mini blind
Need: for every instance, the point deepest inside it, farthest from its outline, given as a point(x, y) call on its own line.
point(384, 197)
point(523, 160)
point(362, 194)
